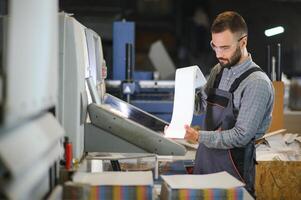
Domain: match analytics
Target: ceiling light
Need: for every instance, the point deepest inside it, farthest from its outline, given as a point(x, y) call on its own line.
point(274, 31)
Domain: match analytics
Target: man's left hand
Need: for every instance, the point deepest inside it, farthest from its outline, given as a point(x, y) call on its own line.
point(191, 135)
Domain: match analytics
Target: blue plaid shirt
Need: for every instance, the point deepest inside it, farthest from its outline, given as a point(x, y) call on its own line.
point(253, 103)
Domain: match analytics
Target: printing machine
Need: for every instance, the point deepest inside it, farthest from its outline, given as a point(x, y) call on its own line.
point(113, 125)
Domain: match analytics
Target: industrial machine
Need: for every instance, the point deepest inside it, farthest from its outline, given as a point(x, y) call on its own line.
point(30, 135)
point(120, 127)
point(113, 125)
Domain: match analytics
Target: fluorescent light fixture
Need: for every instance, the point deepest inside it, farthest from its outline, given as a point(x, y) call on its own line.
point(274, 31)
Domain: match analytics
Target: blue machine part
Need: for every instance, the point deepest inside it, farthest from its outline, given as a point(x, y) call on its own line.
point(123, 32)
point(143, 75)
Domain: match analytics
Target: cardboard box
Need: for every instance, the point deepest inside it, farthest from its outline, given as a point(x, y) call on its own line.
point(278, 180)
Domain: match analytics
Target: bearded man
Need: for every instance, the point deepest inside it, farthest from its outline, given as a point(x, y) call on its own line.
point(237, 101)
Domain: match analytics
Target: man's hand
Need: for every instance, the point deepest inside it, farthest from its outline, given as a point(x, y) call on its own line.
point(191, 135)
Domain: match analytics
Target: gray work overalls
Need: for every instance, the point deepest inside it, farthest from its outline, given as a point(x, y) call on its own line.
point(239, 162)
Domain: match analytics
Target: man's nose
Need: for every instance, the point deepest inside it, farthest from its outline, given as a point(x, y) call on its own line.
point(219, 54)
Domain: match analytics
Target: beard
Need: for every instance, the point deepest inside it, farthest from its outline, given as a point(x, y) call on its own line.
point(233, 60)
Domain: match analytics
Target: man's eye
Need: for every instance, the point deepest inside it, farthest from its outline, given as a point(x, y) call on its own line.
point(225, 48)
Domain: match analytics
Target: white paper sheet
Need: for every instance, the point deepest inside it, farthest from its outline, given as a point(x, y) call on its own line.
point(187, 80)
point(114, 178)
point(221, 180)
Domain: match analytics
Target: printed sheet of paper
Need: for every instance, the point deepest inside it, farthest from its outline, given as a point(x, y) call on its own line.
point(187, 80)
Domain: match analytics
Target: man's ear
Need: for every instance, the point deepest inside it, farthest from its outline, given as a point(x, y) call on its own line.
point(245, 41)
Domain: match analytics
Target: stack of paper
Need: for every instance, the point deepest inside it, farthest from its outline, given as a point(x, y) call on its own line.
point(216, 186)
point(117, 185)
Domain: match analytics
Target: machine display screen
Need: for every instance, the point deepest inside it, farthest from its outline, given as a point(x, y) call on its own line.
point(137, 115)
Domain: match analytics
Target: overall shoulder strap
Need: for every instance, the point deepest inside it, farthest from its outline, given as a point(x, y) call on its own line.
point(237, 81)
point(218, 78)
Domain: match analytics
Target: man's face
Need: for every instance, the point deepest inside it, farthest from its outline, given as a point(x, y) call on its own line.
point(227, 48)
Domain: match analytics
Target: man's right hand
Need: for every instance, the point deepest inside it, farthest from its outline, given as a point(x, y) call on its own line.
point(191, 135)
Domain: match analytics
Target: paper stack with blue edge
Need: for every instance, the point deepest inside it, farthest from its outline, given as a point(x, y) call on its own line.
point(117, 185)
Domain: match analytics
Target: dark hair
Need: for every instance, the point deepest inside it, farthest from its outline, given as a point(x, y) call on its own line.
point(229, 20)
